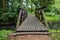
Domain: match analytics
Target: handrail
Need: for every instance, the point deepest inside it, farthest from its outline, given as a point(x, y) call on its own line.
point(18, 21)
point(44, 19)
point(21, 16)
point(40, 15)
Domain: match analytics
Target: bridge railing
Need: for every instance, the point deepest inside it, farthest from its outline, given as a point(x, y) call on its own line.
point(39, 13)
point(21, 16)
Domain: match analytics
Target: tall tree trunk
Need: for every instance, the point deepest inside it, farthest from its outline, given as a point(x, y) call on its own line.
point(4, 5)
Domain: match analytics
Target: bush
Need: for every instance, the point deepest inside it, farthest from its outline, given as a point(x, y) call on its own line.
point(8, 16)
point(4, 34)
point(51, 14)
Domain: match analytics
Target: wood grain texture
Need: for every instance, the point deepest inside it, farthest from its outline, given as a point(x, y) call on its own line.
point(31, 23)
point(30, 37)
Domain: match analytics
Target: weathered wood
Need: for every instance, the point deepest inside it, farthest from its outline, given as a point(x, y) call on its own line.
point(22, 16)
point(30, 33)
point(31, 23)
point(45, 21)
point(30, 36)
point(39, 13)
point(18, 21)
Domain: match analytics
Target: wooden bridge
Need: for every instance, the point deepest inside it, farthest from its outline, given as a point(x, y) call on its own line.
point(33, 27)
point(32, 23)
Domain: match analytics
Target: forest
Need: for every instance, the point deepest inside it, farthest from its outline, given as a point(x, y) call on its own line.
point(9, 15)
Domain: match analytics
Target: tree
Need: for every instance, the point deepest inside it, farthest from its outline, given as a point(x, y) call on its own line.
point(3, 5)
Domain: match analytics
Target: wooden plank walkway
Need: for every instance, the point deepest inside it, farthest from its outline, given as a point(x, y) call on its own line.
point(32, 24)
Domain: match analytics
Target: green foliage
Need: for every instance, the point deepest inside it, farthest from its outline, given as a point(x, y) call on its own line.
point(51, 16)
point(55, 34)
point(30, 5)
point(8, 17)
point(4, 34)
point(55, 6)
point(11, 13)
point(53, 30)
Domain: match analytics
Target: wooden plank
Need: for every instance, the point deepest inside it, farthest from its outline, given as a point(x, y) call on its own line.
point(30, 33)
point(31, 23)
point(30, 37)
point(33, 37)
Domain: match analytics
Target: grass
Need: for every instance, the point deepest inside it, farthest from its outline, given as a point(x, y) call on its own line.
point(4, 34)
point(55, 34)
point(54, 30)
point(55, 18)
point(52, 17)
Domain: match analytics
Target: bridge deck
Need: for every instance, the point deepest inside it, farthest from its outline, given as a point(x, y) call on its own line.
point(31, 24)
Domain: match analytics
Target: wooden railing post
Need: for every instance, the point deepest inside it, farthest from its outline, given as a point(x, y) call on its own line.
point(45, 21)
point(18, 21)
point(21, 17)
point(41, 16)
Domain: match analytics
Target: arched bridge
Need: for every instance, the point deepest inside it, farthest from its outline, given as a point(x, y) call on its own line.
point(32, 23)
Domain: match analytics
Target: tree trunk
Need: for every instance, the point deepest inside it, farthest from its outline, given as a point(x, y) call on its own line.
point(4, 5)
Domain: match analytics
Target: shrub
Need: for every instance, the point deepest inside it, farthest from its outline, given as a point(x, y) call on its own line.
point(4, 34)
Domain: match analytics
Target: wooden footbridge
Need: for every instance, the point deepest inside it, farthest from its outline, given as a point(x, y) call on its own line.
point(31, 27)
point(30, 24)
